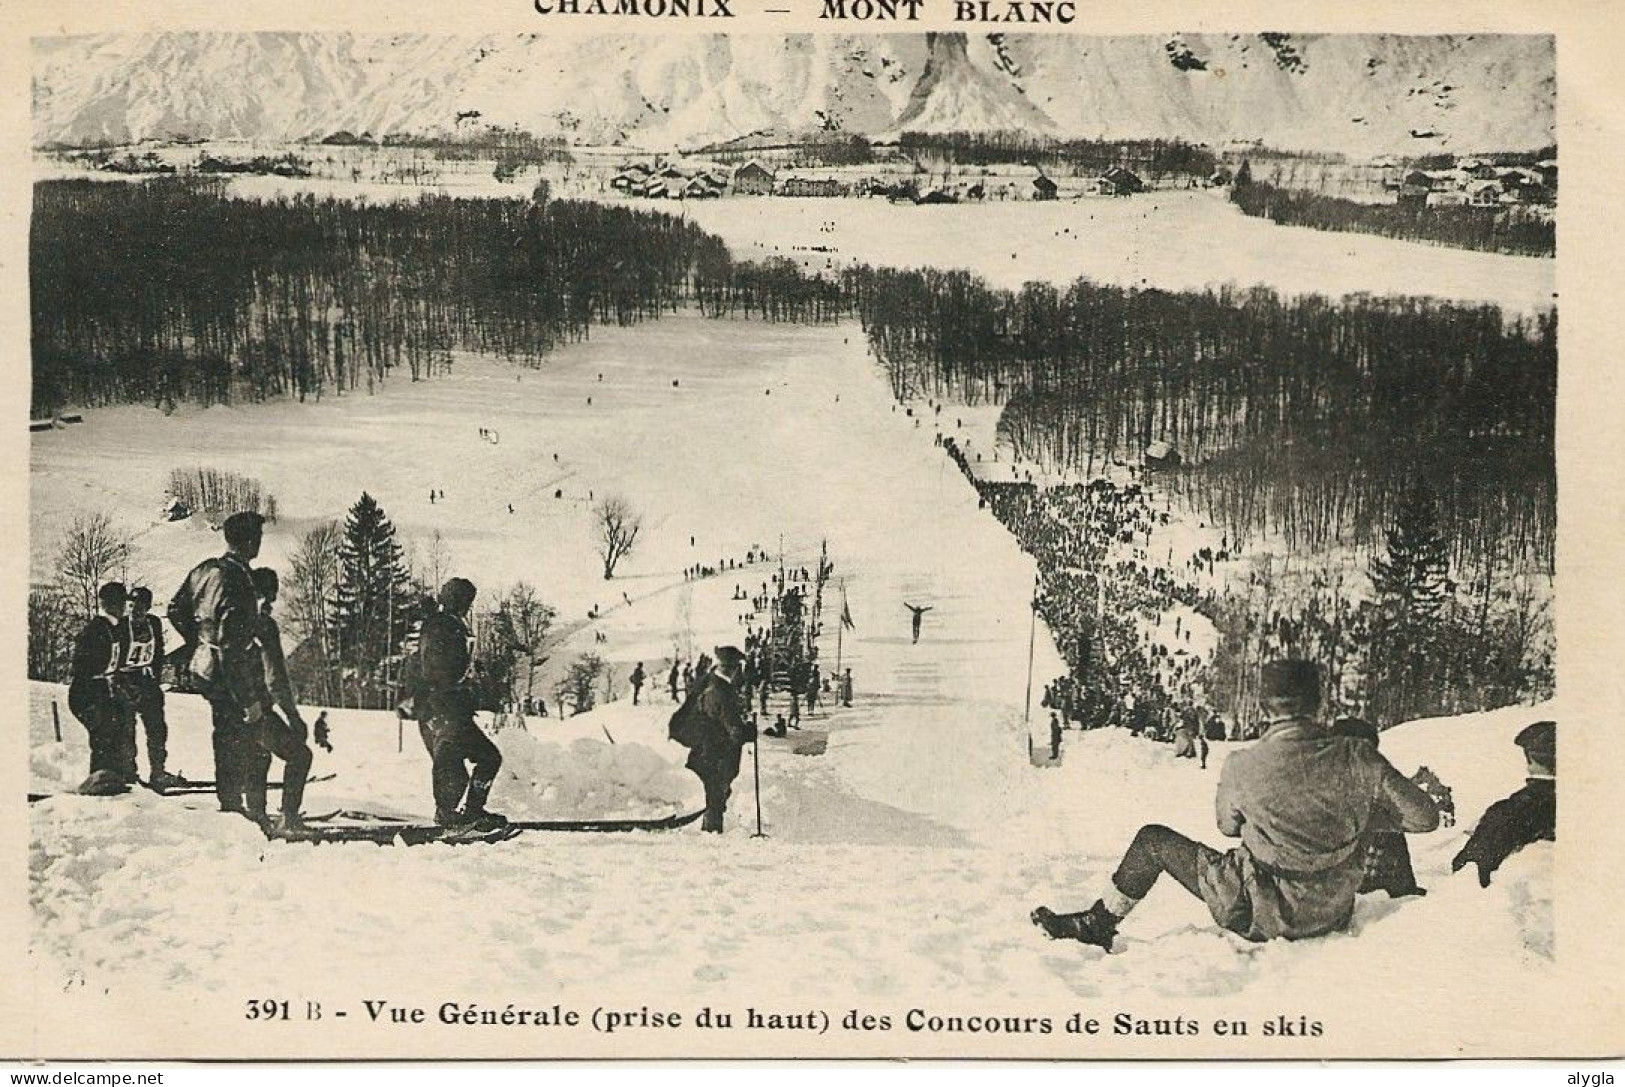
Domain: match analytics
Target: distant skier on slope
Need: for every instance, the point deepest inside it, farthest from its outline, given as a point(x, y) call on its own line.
point(446, 702)
point(637, 682)
point(1300, 800)
point(918, 618)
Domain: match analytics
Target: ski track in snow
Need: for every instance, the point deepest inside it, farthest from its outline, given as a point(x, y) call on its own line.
point(901, 864)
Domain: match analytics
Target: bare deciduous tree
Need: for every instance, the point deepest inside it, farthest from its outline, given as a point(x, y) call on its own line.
point(523, 623)
point(313, 580)
point(93, 550)
point(618, 528)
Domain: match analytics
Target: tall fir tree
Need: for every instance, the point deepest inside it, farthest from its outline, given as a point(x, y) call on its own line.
point(372, 606)
point(1413, 579)
point(1406, 661)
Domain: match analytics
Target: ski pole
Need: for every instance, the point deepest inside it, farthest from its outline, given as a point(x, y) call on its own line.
point(756, 766)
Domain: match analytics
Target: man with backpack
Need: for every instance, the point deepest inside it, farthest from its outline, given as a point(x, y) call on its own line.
point(216, 613)
point(711, 724)
point(446, 702)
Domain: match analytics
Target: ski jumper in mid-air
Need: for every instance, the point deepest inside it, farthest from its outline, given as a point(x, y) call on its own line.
point(918, 618)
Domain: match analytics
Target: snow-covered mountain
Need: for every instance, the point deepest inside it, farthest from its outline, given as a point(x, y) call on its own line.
point(1361, 94)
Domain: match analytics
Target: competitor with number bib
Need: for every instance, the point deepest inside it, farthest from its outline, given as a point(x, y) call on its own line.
point(141, 637)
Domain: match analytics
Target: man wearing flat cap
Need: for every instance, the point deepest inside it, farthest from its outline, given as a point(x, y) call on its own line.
point(1300, 800)
point(217, 614)
point(721, 733)
point(1528, 815)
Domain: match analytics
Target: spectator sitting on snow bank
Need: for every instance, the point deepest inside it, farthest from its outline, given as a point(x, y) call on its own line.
point(1528, 815)
point(1299, 800)
point(1387, 856)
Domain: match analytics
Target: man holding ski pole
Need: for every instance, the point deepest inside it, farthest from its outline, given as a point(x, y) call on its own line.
point(721, 733)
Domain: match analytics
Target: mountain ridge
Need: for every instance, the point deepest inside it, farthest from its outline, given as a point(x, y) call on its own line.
point(1354, 94)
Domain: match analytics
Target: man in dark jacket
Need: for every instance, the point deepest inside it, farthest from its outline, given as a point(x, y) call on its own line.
point(1300, 800)
point(217, 614)
point(280, 735)
point(446, 703)
point(637, 682)
point(141, 650)
point(92, 699)
point(722, 733)
point(1387, 855)
point(1528, 815)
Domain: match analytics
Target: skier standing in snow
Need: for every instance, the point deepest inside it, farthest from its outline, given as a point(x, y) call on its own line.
point(217, 614)
point(91, 697)
point(846, 687)
point(141, 652)
point(918, 618)
point(282, 736)
point(1054, 737)
point(1300, 800)
point(671, 680)
point(446, 702)
point(637, 682)
point(722, 733)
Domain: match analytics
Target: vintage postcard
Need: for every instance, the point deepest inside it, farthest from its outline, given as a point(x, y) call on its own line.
point(812, 528)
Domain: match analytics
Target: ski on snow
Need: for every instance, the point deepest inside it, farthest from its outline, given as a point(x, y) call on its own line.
point(390, 829)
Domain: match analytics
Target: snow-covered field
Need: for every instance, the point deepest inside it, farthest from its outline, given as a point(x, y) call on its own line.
point(1167, 240)
point(1170, 240)
point(900, 864)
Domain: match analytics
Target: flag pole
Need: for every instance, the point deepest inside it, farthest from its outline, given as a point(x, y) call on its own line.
point(840, 628)
point(1032, 642)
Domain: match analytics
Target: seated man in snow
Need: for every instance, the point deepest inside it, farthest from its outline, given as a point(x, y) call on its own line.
point(1300, 800)
point(1528, 815)
point(1387, 856)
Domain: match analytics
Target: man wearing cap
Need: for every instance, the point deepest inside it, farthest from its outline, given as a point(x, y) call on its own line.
point(1387, 855)
point(217, 614)
point(141, 641)
point(446, 703)
point(92, 699)
point(1528, 815)
point(722, 734)
point(1300, 800)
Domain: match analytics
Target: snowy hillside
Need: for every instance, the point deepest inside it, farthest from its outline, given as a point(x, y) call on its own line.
point(125, 886)
point(904, 852)
point(1349, 93)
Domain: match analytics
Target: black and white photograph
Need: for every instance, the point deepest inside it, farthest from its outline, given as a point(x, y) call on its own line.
point(998, 540)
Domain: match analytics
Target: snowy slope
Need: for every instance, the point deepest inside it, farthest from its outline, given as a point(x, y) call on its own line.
point(901, 862)
point(1351, 93)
